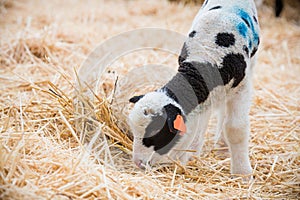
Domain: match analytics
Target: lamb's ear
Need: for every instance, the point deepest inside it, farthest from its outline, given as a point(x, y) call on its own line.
point(179, 124)
point(135, 98)
point(175, 119)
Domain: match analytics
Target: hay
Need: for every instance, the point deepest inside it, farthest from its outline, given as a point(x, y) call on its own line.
point(42, 157)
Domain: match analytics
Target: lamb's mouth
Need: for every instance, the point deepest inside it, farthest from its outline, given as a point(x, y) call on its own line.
point(142, 165)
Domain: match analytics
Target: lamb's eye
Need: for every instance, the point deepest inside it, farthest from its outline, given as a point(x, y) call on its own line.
point(145, 112)
point(148, 111)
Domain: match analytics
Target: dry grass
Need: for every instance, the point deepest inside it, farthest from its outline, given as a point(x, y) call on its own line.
point(43, 157)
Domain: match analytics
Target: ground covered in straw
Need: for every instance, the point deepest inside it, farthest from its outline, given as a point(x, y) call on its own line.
point(42, 43)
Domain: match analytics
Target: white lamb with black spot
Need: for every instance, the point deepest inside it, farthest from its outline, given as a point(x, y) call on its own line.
point(215, 69)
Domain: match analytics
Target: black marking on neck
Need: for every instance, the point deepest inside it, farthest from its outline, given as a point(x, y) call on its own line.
point(194, 81)
point(215, 8)
point(183, 55)
point(170, 94)
point(192, 84)
point(191, 72)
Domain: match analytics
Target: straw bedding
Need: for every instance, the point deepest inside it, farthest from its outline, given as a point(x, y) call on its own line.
point(42, 155)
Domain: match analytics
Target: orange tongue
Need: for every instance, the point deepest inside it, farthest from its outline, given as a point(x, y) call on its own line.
point(179, 124)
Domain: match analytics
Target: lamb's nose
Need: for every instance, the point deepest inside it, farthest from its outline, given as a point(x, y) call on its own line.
point(139, 163)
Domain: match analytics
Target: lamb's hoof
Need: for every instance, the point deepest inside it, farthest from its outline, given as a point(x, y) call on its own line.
point(245, 178)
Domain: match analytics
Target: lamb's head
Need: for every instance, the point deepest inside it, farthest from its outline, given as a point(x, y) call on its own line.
point(157, 123)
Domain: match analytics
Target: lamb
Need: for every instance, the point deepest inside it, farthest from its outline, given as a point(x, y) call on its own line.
point(214, 75)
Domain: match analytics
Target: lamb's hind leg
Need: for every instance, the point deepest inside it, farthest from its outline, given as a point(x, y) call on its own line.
point(237, 130)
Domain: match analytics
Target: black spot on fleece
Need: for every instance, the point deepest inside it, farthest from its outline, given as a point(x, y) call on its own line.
point(192, 34)
point(233, 67)
point(225, 39)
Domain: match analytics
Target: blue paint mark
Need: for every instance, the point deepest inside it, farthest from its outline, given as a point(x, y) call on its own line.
point(242, 28)
point(247, 25)
point(256, 38)
point(250, 44)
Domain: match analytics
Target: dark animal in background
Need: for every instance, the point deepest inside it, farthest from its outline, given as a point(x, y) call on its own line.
point(278, 7)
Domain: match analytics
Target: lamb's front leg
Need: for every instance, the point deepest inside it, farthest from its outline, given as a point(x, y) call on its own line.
point(200, 127)
point(198, 124)
point(237, 131)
